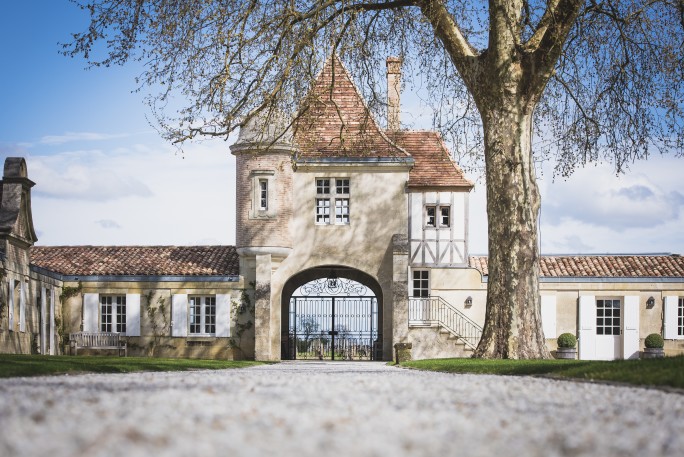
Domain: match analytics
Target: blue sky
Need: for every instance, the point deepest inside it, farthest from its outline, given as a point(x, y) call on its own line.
point(104, 177)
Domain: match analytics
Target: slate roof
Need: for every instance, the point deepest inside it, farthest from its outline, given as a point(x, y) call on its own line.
point(603, 266)
point(137, 260)
point(335, 121)
point(434, 166)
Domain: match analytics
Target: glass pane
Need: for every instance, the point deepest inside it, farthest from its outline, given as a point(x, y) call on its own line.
point(323, 186)
point(430, 214)
point(342, 186)
point(444, 222)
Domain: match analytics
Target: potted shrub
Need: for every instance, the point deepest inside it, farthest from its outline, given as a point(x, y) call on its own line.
point(653, 346)
point(567, 346)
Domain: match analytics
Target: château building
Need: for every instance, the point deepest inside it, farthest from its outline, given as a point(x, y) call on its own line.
point(351, 238)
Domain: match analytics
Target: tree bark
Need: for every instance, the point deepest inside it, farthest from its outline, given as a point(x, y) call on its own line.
point(512, 321)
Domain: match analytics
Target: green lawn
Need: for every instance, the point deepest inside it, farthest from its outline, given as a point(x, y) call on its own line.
point(37, 365)
point(668, 371)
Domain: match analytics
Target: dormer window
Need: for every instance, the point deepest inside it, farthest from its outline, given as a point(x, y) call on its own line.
point(437, 214)
point(332, 193)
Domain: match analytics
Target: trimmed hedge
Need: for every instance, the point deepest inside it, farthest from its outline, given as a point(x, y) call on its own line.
point(566, 340)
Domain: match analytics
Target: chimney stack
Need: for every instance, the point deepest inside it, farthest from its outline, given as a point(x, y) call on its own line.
point(393, 87)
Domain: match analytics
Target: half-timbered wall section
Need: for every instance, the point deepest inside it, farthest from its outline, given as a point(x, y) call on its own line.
point(438, 228)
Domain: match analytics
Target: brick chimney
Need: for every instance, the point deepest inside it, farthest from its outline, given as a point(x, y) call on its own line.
point(393, 88)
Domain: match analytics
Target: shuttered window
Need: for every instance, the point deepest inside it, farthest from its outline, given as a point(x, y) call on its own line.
point(113, 313)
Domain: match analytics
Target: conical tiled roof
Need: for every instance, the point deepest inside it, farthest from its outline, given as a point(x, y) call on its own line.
point(334, 120)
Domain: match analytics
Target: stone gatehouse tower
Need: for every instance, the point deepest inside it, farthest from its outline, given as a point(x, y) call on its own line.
point(331, 200)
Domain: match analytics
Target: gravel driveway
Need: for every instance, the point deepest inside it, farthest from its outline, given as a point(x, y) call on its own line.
point(332, 408)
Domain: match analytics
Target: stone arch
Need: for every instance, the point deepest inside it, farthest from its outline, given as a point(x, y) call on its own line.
point(325, 271)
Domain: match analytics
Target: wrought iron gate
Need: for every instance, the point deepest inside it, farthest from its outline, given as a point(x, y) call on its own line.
point(333, 328)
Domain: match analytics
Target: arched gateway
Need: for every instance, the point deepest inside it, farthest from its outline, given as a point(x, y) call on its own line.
point(333, 313)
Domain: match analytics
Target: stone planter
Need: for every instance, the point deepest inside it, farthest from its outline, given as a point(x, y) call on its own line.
point(653, 353)
point(566, 353)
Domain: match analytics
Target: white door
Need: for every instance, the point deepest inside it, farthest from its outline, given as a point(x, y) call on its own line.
point(608, 328)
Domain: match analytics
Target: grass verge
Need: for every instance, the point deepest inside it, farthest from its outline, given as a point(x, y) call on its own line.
point(668, 371)
point(12, 365)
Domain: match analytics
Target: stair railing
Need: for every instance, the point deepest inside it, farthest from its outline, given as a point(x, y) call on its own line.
point(434, 310)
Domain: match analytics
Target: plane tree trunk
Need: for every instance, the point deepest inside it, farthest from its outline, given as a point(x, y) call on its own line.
point(512, 320)
point(506, 82)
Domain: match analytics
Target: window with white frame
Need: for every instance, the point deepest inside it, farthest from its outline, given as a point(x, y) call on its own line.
point(113, 313)
point(263, 194)
point(421, 283)
point(332, 193)
point(202, 315)
point(608, 316)
point(680, 317)
point(437, 216)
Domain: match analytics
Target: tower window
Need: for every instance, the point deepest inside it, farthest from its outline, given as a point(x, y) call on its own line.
point(263, 194)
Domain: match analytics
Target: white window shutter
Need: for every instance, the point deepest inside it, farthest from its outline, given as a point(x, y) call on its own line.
point(548, 316)
point(670, 318)
point(630, 332)
point(22, 306)
point(43, 322)
point(91, 312)
point(10, 299)
point(132, 314)
point(52, 321)
point(587, 330)
point(179, 310)
point(223, 315)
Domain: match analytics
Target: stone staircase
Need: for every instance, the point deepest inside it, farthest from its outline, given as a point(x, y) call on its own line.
point(443, 331)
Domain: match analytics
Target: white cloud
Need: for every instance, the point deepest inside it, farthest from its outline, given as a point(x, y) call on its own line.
point(86, 175)
point(153, 196)
point(596, 197)
point(595, 211)
point(70, 137)
point(108, 224)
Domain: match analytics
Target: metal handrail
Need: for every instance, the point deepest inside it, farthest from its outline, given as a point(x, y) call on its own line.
point(436, 310)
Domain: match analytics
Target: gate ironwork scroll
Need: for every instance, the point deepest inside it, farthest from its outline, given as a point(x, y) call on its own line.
point(341, 327)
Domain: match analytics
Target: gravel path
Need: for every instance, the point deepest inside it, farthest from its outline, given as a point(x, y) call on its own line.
point(325, 409)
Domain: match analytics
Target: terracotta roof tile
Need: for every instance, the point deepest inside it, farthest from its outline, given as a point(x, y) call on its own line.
point(137, 260)
point(602, 266)
point(434, 166)
point(335, 121)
